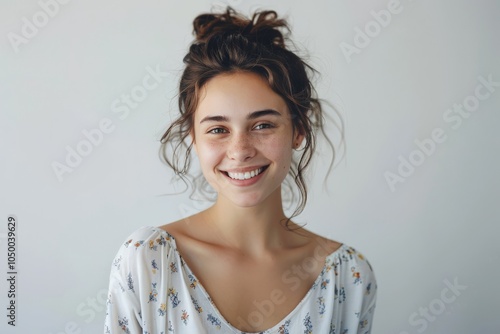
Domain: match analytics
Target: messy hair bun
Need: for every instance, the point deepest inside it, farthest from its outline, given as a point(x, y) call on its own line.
point(264, 27)
point(227, 43)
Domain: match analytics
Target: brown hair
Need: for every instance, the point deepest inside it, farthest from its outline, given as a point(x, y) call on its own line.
point(229, 42)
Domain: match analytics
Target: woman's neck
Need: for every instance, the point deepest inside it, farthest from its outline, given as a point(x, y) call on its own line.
point(251, 230)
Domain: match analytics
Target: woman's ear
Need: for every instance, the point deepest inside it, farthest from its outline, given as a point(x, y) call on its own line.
point(298, 138)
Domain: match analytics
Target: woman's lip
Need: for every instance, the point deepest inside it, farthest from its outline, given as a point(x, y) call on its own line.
point(246, 182)
point(243, 170)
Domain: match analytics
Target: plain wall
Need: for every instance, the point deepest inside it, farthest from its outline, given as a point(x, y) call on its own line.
point(436, 226)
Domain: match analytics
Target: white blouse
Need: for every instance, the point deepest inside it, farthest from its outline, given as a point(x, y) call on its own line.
point(153, 291)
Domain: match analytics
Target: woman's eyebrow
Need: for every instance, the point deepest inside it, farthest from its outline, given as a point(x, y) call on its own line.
point(253, 115)
point(215, 119)
point(265, 112)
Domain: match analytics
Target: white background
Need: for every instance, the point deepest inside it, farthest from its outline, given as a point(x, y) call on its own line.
point(438, 226)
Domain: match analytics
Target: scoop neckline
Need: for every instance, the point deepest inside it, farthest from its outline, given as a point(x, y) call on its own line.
point(216, 309)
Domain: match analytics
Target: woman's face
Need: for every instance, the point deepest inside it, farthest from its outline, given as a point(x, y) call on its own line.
point(243, 136)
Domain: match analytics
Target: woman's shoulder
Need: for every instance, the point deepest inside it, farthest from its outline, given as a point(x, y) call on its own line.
point(147, 237)
point(338, 255)
point(346, 254)
point(349, 264)
point(145, 249)
point(145, 242)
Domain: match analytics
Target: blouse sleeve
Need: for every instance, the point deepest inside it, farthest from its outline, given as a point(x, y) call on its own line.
point(128, 284)
point(369, 300)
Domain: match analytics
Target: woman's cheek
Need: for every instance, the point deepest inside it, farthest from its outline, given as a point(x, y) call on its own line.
point(209, 156)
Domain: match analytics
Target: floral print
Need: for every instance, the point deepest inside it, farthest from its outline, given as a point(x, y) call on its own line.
point(153, 291)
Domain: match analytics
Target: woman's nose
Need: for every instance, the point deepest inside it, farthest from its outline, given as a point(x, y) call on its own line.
point(241, 148)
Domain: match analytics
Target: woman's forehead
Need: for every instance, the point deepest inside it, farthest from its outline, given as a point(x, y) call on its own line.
point(238, 93)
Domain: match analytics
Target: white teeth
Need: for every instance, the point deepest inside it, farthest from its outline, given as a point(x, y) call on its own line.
point(246, 175)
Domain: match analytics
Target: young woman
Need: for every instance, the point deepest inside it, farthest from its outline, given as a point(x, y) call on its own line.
point(241, 266)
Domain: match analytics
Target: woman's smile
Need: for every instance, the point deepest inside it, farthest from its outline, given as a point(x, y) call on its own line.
point(245, 175)
point(248, 178)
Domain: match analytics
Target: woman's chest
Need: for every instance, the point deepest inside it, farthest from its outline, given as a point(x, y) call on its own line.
point(254, 297)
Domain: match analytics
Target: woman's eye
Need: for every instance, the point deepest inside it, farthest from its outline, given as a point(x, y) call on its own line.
point(263, 126)
point(217, 130)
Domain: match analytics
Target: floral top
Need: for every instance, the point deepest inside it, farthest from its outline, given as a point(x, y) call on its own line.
point(153, 291)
